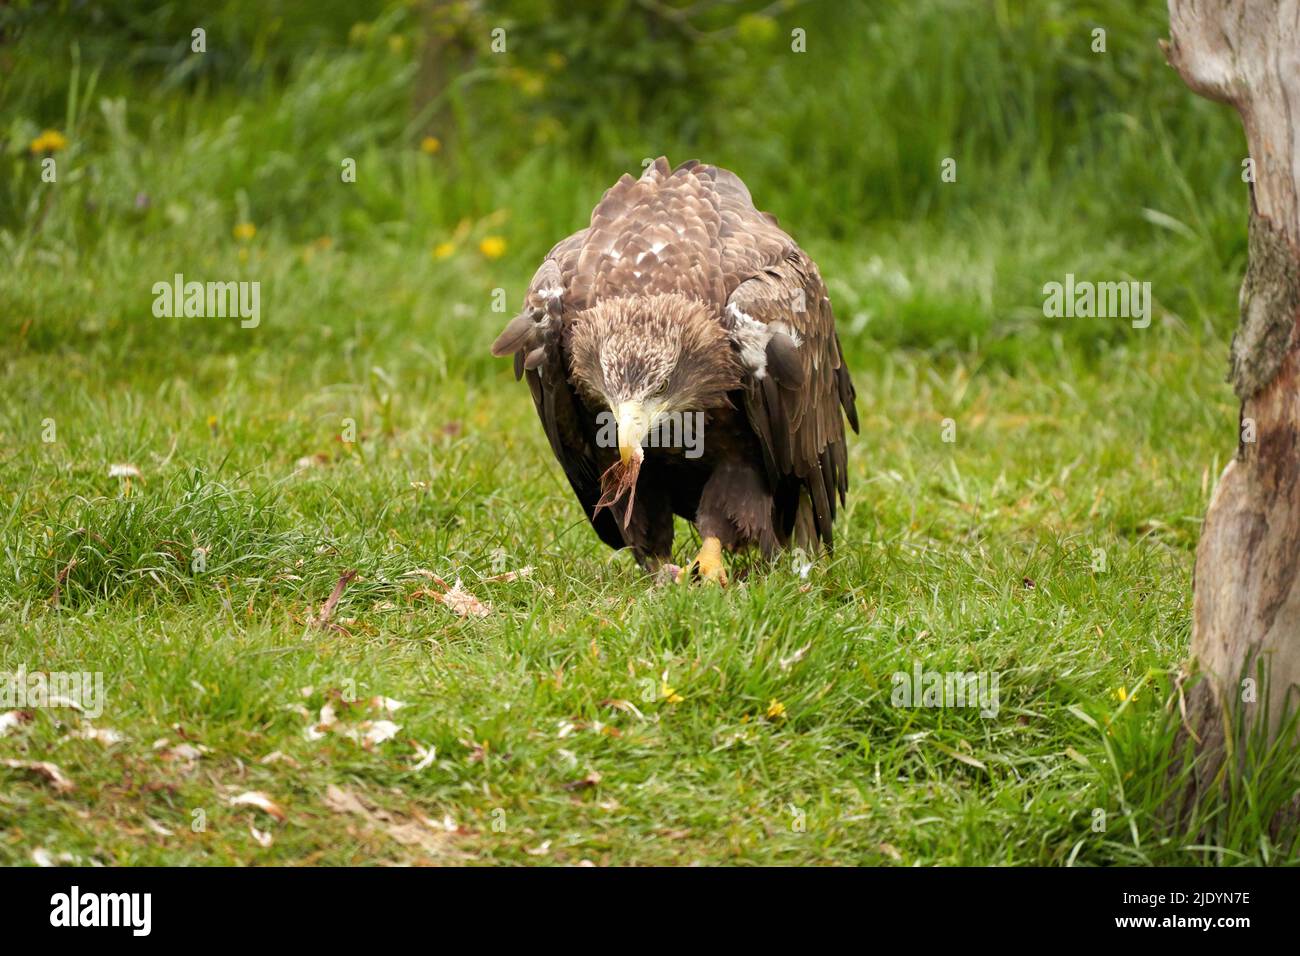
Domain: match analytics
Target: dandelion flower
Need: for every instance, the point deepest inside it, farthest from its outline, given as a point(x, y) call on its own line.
point(430, 145)
point(245, 231)
point(775, 709)
point(494, 247)
point(50, 141)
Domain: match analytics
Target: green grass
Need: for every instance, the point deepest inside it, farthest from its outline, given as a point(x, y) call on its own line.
point(591, 715)
point(976, 555)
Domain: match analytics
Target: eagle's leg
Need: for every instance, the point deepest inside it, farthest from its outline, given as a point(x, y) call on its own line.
point(648, 531)
point(735, 512)
point(708, 564)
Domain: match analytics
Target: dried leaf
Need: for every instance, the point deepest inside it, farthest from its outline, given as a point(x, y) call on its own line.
point(255, 798)
point(623, 705)
point(103, 735)
point(13, 719)
point(508, 576)
point(891, 851)
point(375, 732)
point(424, 756)
point(462, 603)
point(590, 780)
point(185, 756)
point(276, 756)
point(433, 838)
point(322, 620)
point(52, 774)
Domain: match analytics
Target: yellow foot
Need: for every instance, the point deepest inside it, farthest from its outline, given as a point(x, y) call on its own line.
point(707, 565)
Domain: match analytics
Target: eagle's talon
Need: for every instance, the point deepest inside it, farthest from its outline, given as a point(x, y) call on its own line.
point(708, 564)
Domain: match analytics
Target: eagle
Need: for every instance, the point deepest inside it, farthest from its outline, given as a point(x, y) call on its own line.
point(682, 356)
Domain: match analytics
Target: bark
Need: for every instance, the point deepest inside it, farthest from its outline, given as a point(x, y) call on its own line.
point(1246, 612)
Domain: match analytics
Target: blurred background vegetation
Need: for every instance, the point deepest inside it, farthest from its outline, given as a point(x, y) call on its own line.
point(1067, 159)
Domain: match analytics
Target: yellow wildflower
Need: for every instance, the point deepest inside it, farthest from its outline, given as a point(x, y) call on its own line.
point(245, 231)
point(494, 247)
point(669, 694)
point(430, 145)
point(443, 249)
point(50, 141)
point(775, 709)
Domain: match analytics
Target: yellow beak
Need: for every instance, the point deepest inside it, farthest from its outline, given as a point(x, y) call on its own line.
point(633, 426)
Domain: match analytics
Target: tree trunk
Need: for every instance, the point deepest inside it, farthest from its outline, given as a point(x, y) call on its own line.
point(1246, 617)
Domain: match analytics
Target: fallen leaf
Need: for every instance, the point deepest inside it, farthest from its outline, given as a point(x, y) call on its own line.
point(623, 705)
point(424, 756)
point(103, 735)
point(590, 780)
point(375, 732)
point(508, 576)
point(13, 719)
point(261, 801)
point(343, 801)
point(322, 726)
point(276, 756)
point(454, 598)
point(52, 774)
point(263, 838)
point(184, 756)
point(462, 603)
point(322, 620)
point(433, 838)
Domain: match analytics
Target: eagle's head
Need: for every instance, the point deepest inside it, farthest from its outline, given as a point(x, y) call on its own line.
point(645, 357)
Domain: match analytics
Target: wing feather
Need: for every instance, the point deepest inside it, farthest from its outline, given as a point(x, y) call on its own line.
point(694, 230)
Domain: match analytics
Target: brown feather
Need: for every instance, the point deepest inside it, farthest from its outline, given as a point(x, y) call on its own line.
point(670, 262)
